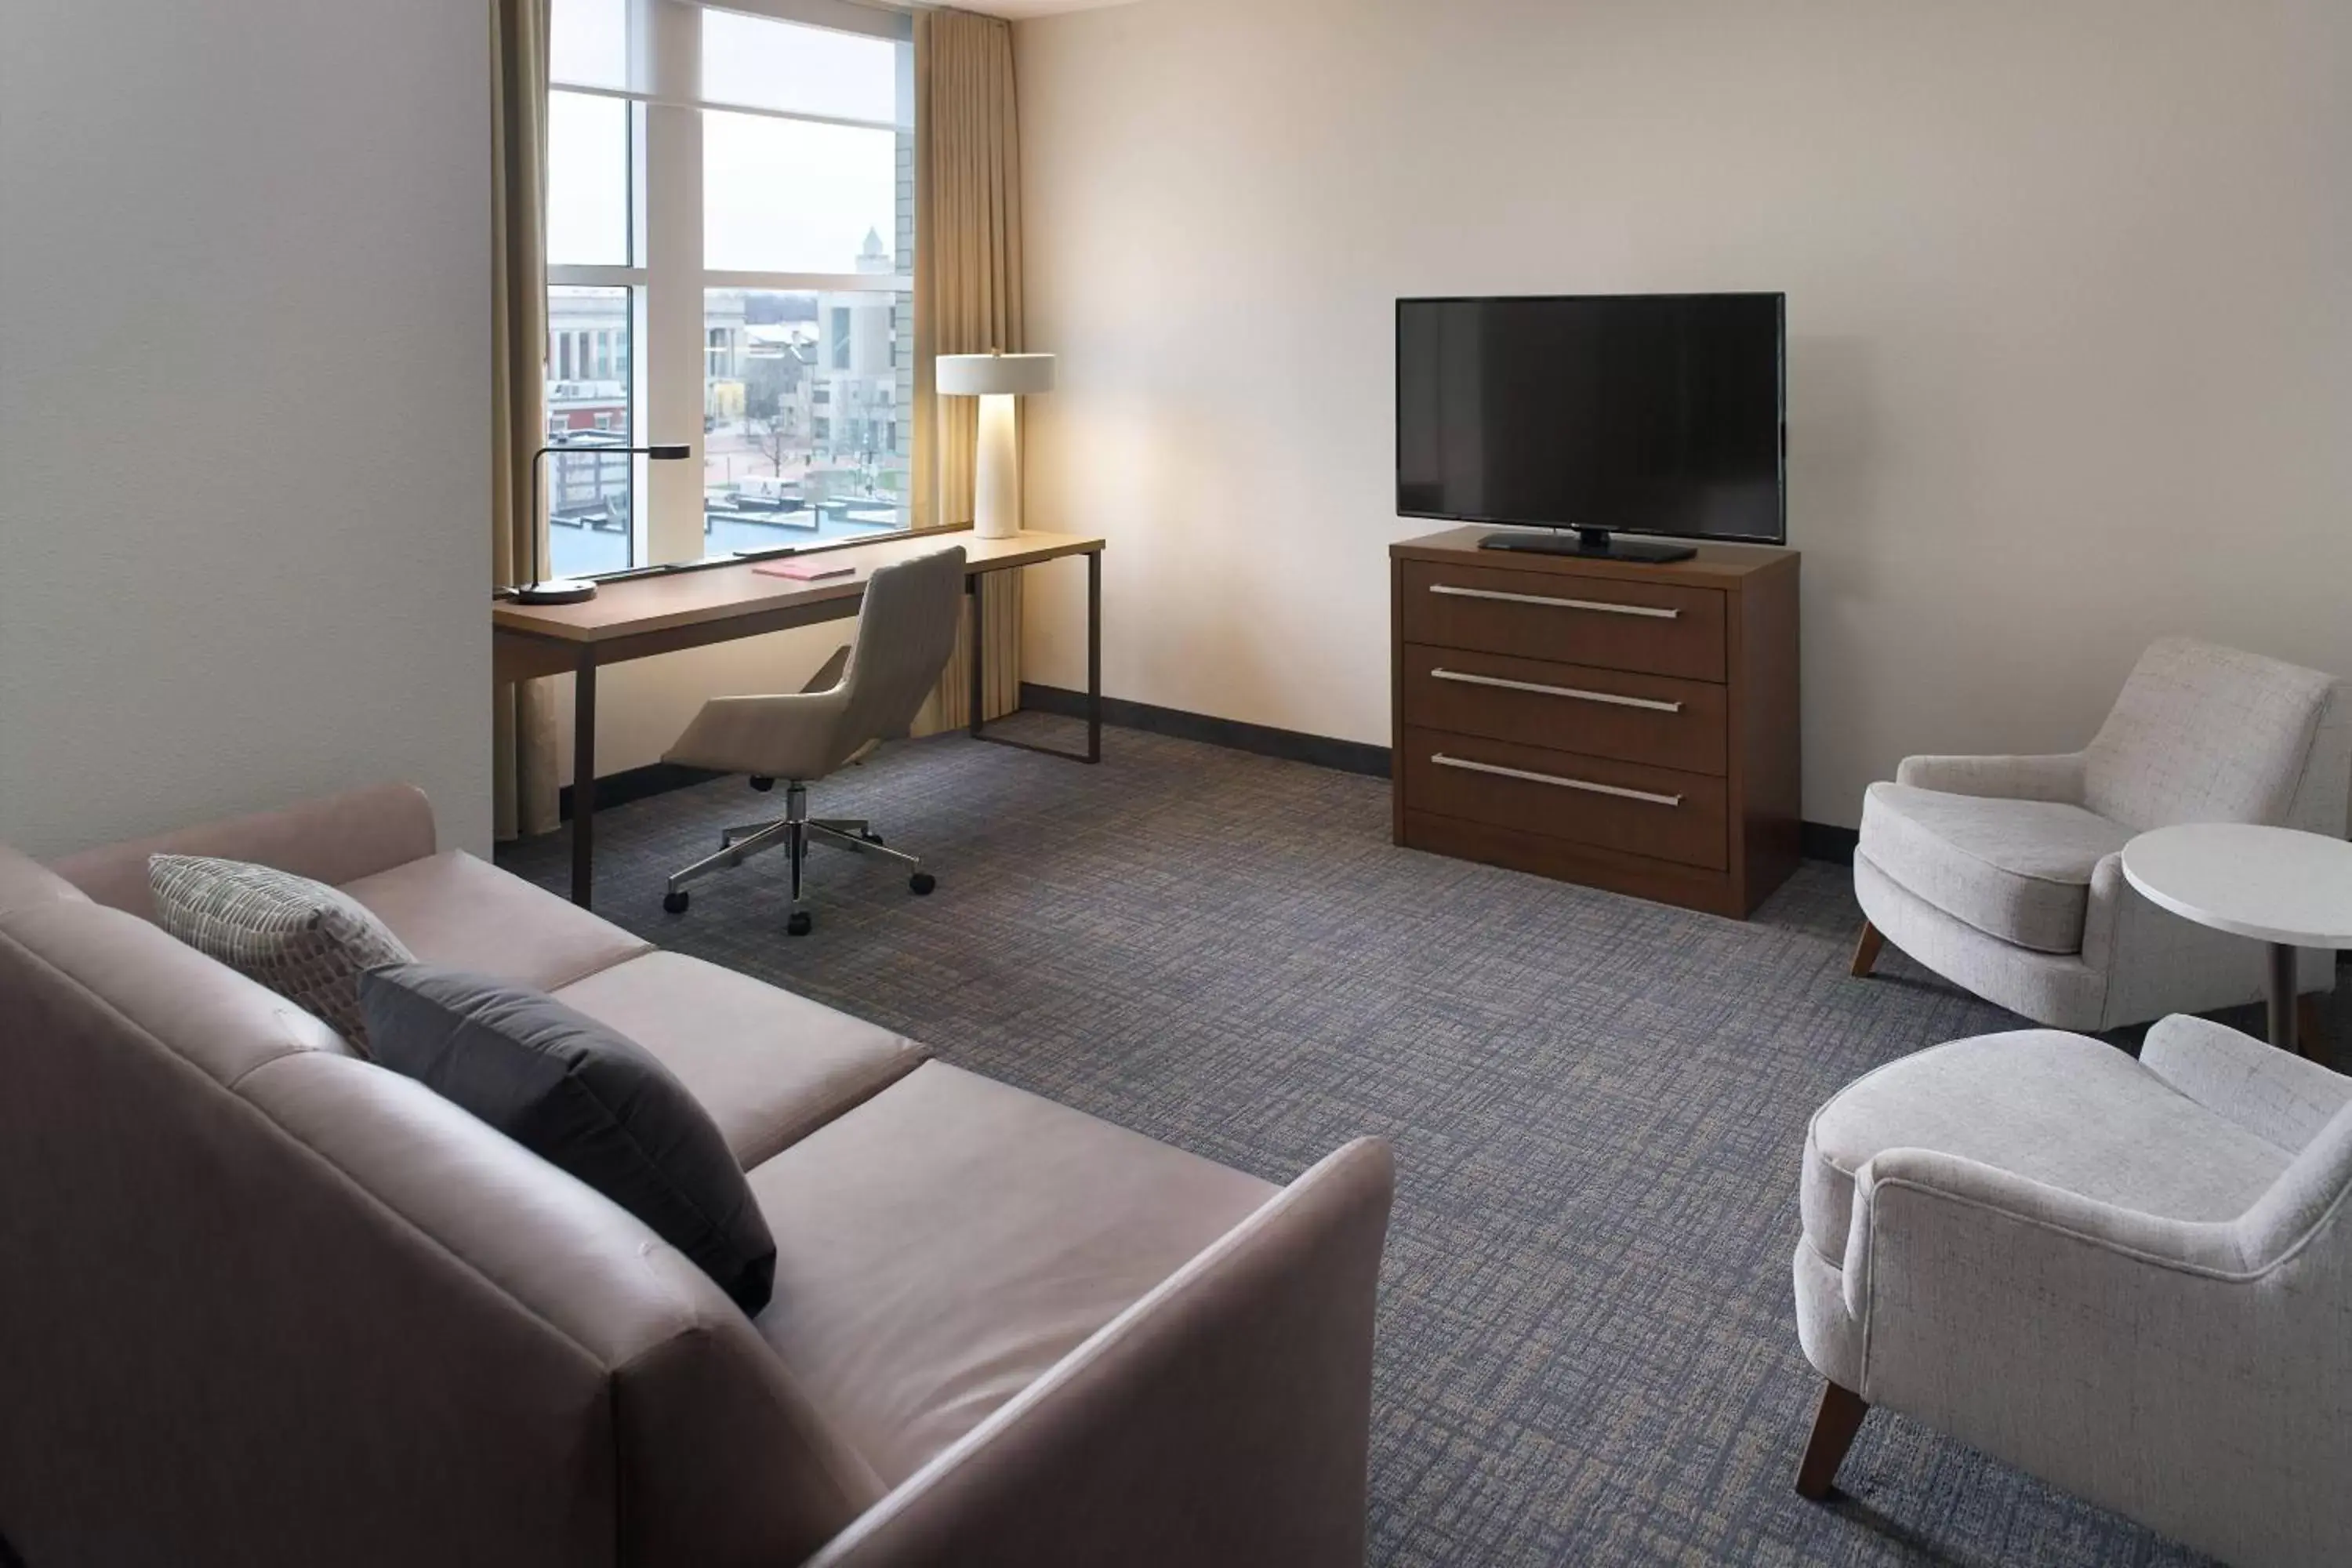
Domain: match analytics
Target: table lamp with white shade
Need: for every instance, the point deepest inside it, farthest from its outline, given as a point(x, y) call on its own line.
point(996, 380)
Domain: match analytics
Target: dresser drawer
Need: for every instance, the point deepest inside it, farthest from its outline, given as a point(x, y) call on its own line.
point(1599, 621)
point(1658, 812)
point(1634, 718)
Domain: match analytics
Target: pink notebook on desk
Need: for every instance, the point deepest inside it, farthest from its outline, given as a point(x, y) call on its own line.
point(803, 571)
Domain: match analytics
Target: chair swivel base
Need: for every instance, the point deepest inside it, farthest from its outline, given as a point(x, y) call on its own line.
point(794, 830)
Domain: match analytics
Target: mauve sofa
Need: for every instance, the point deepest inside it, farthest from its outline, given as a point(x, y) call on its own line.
point(263, 1303)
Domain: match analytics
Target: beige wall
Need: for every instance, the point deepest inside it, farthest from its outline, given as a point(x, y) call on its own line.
point(244, 410)
point(2070, 316)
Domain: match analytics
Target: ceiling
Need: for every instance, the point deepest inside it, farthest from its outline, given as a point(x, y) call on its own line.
point(1017, 9)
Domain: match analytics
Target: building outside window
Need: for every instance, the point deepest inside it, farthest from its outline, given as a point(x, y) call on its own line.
point(791, 295)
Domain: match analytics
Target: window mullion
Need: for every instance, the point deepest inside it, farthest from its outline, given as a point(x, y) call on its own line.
point(810, 282)
point(672, 268)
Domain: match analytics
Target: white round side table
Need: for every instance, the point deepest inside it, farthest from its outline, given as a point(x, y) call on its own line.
point(2278, 885)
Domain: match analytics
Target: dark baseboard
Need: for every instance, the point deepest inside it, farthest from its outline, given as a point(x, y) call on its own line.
point(1290, 745)
point(1818, 841)
point(636, 783)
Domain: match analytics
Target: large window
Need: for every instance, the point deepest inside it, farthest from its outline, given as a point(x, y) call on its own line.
point(731, 236)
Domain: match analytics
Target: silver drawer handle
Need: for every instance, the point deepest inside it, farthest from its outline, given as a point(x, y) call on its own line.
point(1652, 611)
point(1442, 761)
point(1609, 697)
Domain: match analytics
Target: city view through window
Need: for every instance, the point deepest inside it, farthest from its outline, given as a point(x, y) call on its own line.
point(807, 386)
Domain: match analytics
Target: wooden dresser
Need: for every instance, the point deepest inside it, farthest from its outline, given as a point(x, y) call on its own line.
point(1628, 726)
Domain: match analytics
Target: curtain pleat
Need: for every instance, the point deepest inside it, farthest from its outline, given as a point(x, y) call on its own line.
point(524, 759)
point(967, 301)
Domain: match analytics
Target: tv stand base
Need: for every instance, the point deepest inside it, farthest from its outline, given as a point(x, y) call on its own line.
point(1590, 542)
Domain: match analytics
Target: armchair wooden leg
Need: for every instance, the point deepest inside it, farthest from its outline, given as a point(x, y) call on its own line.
point(2310, 1029)
point(1834, 1424)
point(1865, 951)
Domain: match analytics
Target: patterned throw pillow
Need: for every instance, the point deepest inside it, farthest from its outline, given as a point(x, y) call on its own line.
point(302, 939)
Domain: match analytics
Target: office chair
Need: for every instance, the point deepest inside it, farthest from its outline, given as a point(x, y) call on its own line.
point(912, 615)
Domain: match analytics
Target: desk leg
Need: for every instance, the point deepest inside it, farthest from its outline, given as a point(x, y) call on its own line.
point(2281, 999)
point(1093, 754)
point(979, 641)
point(583, 777)
point(1094, 655)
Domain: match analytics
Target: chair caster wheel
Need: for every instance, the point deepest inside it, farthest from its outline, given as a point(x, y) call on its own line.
point(674, 903)
point(871, 836)
point(798, 923)
point(923, 882)
point(762, 783)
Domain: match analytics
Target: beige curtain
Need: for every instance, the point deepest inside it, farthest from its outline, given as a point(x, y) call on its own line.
point(967, 298)
point(524, 759)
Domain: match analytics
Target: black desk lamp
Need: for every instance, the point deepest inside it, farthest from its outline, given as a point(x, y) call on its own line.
point(542, 589)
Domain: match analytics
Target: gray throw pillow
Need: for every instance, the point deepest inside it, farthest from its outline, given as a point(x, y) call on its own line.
point(302, 939)
point(586, 1100)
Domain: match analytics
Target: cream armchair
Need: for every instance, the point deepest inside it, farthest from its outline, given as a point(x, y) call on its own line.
point(2133, 1278)
point(2005, 874)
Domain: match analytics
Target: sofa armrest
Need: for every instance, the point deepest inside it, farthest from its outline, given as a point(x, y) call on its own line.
point(335, 838)
point(1941, 1204)
point(1224, 1418)
point(2058, 778)
point(2269, 1092)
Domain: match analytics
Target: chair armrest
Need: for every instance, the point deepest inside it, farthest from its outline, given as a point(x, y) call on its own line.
point(2058, 778)
point(1949, 1205)
point(2114, 1354)
point(828, 674)
point(1224, 1418)
point(2269, 1092)
point(334, 840)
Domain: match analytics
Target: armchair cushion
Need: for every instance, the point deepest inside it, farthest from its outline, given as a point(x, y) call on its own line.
point(2203, 733)
point(2016, 869)
point(2269, 1092)
point(2056, 1109)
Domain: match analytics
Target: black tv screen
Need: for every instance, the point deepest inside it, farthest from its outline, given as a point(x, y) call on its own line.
point(1637, 413)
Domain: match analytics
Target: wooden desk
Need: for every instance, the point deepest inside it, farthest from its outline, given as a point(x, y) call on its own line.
point(637, 617)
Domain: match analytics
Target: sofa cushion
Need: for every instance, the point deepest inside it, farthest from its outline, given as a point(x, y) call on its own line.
point(585, 1099)
point(769, 1067)
point(209, 1013)
point(2016, 869)
point(947, 1242)
point(455, 910)
point(25, 881)
point(2062, 1110)
point(304, 940)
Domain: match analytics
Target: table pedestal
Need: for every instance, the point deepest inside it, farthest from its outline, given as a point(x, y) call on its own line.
point(2281, 999)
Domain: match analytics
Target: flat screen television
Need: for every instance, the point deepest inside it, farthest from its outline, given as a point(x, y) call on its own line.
point(1641, 414)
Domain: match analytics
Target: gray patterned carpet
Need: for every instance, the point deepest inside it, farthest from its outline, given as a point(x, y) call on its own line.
point(1587, 1349)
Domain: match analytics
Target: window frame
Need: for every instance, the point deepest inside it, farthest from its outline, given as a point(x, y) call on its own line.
point(670, 353)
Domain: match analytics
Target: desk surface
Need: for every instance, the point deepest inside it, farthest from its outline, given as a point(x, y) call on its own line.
point(639, 605)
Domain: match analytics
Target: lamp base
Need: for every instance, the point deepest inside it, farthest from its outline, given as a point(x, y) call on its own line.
point(555, 591)
point(996, 469)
